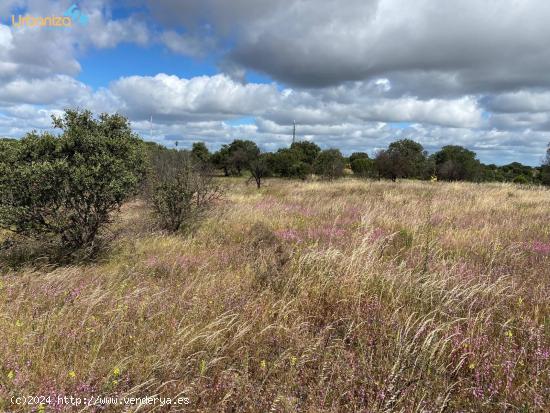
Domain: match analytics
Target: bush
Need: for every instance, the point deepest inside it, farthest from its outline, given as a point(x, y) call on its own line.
point(521, 179)
point(8, 150)
point(64, 188)
point(364, 167)
point(268, 255)
point(181, 192)
point(201, 152)
point(300, 170)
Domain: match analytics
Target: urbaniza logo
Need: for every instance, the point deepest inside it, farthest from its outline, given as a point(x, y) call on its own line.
point(73, 16)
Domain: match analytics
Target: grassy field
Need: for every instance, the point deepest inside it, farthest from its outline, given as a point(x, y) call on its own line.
point(351, 296)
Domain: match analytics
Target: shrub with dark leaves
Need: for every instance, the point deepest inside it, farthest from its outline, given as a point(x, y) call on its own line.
point(64, 188)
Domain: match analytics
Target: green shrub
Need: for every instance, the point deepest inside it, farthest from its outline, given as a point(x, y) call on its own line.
point(521, 179)
point(364, 167)
point(300, 170)
point(181, 192)
point(64, 188)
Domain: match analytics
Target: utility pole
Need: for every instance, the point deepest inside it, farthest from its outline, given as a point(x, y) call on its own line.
point(294, 133)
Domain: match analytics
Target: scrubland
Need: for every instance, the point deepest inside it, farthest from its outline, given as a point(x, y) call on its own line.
point(348, 296)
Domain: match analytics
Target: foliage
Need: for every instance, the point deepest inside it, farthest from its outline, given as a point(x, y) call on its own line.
point(521, 179)
point(220, 159)
point(329, 164)
point(241, 152)
point(358, 155)
point(8, 150)
point(181, 192)
point(65, 188)
point(235, 157)
point(515, 169)
point(305, 151)
point(300, 170)
point(259, 168)
point(286, 163)
point(545, 169)
point(455, 163)
point(201, 152)
point(364, 167)
point(403, 159)
point(545, 175)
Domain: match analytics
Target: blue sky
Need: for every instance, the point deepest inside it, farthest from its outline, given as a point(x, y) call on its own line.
point(354, 77)
point(100, 67)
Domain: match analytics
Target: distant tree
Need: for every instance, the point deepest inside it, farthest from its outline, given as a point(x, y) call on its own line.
point(220, 159)
point(235, 157)
point(384, 165)
point(403, 159)
point(259, 168)
point(301, 170)
point(514, 169)
point(305, 151)
point(201, 152)
point(65, 188)
point(282, 161)
point(491, 173)
point(241, 153)
point(456, 163)
point(363, 167)
point(358, 155)
point(409, 157)
point(329, 164)
point(521, 179)
point(545, 169)
point(286, 163)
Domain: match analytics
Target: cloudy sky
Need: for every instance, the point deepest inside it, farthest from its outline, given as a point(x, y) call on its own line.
point(354, 74)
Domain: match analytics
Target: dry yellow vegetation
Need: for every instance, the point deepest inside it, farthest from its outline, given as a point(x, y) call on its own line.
point(353, 296)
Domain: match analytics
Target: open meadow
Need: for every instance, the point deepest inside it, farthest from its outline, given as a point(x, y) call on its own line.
point(347, 296)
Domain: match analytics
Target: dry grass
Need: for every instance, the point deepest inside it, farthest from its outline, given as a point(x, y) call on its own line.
point(312, 297)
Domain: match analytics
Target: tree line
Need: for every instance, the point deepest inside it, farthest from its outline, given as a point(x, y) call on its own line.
point(403, 158)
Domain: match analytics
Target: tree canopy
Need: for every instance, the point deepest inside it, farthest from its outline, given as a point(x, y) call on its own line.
point(66, 186)
point(455, 163)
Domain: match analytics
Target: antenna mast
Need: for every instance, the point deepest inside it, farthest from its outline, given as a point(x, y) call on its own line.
point(294, 132)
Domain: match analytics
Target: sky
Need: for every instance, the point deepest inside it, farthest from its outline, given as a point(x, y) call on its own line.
point(354, 74)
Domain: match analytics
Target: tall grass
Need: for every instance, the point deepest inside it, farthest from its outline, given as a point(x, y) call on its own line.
point(314, 297)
